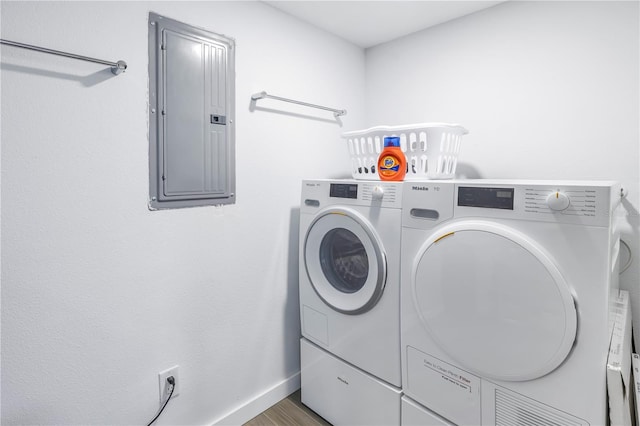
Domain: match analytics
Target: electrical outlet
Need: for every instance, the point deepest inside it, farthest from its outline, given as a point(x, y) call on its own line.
point(165, 387)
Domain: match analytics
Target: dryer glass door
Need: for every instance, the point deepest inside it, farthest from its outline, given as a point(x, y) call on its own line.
point(345, 261)
point(494, 301)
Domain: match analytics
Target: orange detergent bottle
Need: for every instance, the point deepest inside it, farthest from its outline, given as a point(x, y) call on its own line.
point(392, 164)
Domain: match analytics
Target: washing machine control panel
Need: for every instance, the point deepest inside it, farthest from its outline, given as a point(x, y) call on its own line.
point(377, 193)
point(343, 190)
point(322, 193)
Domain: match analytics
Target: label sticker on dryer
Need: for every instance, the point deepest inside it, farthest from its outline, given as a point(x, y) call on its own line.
point(447, 375)
point(447, 372)
point(451, 392)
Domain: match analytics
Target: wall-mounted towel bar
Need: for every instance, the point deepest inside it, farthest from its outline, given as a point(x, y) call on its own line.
point(116, 67)
point(265, 95)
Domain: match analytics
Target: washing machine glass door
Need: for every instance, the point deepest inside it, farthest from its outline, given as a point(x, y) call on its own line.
point(494, 301)
point(345, 261)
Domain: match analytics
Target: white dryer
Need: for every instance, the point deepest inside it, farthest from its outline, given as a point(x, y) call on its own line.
point(350, 300)
point(505, 299)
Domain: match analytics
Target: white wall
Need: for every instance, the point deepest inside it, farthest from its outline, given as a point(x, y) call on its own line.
point(548, 90)
point(98, 293)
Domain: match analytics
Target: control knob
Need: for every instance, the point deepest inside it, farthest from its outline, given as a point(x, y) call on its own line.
point(558, 201)
point(377, 193)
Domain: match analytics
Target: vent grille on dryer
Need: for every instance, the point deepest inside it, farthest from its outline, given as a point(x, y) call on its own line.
point(515, 410)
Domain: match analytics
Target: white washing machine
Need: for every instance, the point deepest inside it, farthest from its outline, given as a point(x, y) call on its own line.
point(350, 299)
point(505, 299)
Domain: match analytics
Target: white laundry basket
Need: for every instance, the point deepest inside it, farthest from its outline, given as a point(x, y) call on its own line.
point(431, 149)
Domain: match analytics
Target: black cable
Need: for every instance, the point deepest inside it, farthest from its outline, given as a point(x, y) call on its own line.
point(172, 382)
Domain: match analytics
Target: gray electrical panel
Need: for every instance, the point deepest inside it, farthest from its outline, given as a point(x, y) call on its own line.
point(191, 116)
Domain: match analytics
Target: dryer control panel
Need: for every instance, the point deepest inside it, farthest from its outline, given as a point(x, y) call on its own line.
point(488, 197)
point(566, 202)
point(579, 202)
point(575, 201)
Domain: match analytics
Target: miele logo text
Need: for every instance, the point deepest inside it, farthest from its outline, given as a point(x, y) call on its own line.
point(343, 380)
point(420, 188)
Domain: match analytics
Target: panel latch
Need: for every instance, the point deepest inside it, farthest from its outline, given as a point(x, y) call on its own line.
point(218, 119)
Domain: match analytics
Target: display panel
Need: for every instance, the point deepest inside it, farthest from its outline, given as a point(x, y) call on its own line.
point(343, 190)
point(492, 198)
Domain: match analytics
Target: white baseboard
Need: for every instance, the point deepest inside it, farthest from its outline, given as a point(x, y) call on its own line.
point(260, 403)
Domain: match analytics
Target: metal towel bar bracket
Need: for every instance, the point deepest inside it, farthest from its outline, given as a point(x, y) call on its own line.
point(116, 67)
point(264, 95)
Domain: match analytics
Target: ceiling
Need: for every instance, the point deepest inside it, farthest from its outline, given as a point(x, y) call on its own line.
point(368, 23)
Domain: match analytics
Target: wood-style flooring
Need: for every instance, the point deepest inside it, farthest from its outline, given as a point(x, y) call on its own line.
point(288, 412)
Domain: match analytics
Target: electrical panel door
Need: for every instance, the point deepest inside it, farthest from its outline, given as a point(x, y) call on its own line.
point(191, 113)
